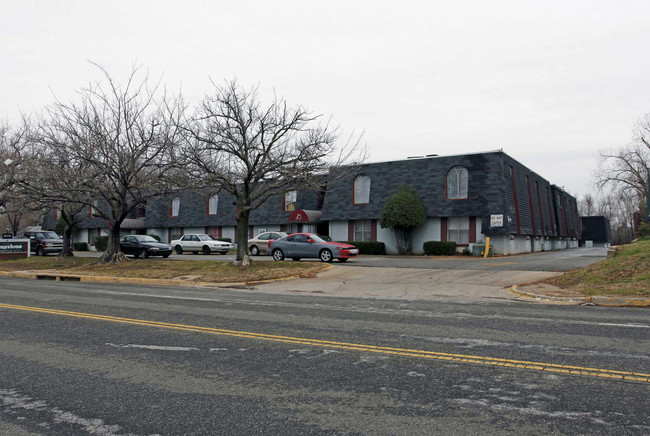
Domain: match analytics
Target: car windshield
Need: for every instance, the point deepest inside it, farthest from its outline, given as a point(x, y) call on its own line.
point(325, 238)
point(318, 238)
point(145, 238)
point(206, 238)
point(50, 235)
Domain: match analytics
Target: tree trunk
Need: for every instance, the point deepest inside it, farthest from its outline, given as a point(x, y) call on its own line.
point(242, 239)
point(404, 239)
point(67, 242)
point(113, 253)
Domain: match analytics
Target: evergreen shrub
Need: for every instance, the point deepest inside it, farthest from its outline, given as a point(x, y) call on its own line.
point(439, 248)
point(80, 246)
point(101, 243)
point(368, 247)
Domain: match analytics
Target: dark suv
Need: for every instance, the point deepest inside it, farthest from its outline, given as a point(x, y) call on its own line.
point(43, 243)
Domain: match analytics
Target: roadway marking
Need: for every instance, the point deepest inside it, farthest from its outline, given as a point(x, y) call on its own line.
point(492, 361)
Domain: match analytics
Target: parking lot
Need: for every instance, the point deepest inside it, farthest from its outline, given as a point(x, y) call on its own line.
point(423, 277)
point(552, 261)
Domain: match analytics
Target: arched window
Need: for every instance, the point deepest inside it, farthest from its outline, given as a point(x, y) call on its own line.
point(213, 202)
point(362, 189)
point(457, 183)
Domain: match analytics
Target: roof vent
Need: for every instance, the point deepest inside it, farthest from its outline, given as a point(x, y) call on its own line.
point(415, 157)
point(432, 155)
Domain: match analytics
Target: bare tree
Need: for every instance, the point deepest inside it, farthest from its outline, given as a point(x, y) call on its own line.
point(626, 171)
point(587, 205)
point(117, 146)
point(254, 151)
point(641, 131)
point(12, 156)
point(15, 161)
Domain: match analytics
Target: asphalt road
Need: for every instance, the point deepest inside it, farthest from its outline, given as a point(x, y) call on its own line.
point(198, 361)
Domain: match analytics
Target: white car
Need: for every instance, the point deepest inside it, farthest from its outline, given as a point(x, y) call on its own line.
point(196, 242)
point(260, 243)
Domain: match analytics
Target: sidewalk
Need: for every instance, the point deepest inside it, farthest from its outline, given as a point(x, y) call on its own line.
point(544, 293)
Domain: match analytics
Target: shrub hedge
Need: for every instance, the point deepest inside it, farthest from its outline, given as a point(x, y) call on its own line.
point(368, 247)
point(101, 243)
point(439, 248)
point(644, 230)
point(80, 246)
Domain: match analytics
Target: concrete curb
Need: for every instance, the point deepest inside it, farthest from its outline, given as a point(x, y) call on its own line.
point(595, 300)
point(50, 275)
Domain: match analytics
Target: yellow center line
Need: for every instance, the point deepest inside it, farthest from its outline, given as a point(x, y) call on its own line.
point(540, 366)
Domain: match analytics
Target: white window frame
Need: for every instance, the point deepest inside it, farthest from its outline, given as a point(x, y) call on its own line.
point(290, 198)
point(457, 183)
point(176, 205)
point(362, 189)
point(362, 230)
point(458, 229)
point(213, 204)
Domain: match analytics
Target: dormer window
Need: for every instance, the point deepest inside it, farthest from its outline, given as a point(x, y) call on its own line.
point(213, 202)
point(92, 210)
point(290, 201)
point(174, 206)
point(457, 183)
point(361, 189)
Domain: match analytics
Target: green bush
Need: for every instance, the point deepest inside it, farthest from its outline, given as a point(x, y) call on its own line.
point(368, 247)
point(403, 213)
point(101, 243)
point(80, 246)
point(156, 237)
point(644, 230)
point(439, 248)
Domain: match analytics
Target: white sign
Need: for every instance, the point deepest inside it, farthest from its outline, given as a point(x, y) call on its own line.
point(496, 220)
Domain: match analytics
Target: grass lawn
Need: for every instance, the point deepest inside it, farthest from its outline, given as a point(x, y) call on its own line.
point(201, 271)
point(626, 274)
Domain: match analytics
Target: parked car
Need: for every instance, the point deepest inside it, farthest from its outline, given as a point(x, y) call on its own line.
point(43, 243)
point(260, 243)
point(206, 244)
point(299, 245)
point(144, 246)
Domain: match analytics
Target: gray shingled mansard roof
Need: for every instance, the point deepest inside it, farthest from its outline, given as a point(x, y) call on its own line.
point(490, 192)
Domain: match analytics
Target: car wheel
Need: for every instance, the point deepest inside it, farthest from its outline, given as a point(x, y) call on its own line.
point(179, 249)
point(295, 259)
point(205, 250)
point(144, 253)
point(254, 250)
point(278, 254)
point(344, 259)
point(325, 255)
point(40, 251)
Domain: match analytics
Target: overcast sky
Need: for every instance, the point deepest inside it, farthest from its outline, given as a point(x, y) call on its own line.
point(548, 82)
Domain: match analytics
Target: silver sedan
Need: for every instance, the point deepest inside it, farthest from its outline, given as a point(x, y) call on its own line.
point(311, 245)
